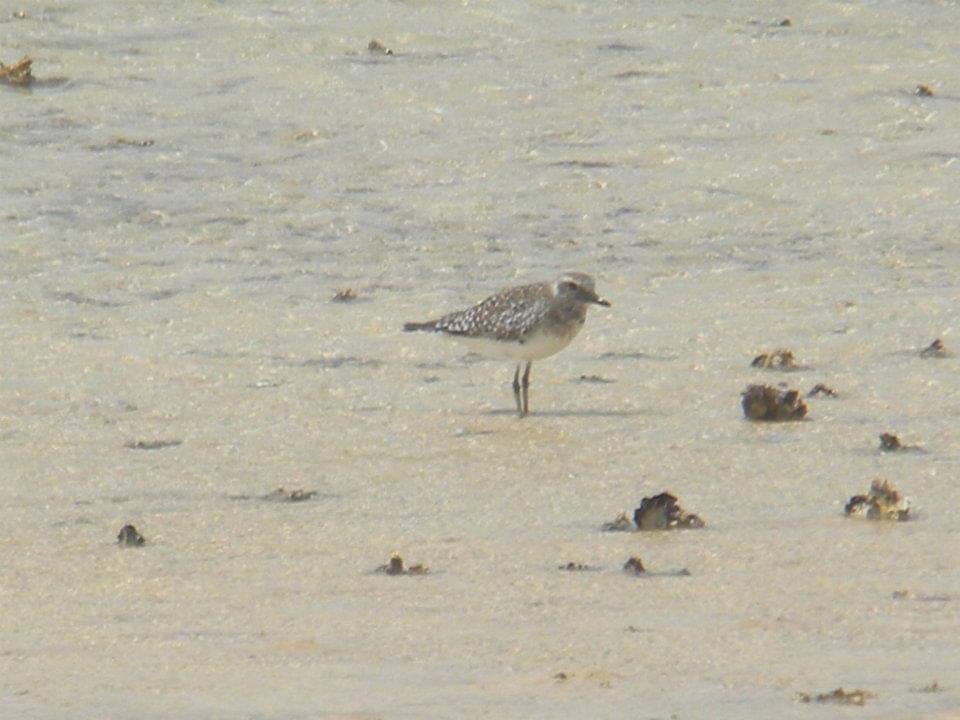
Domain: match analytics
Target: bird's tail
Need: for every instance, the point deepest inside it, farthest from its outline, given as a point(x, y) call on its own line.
point(415, 326)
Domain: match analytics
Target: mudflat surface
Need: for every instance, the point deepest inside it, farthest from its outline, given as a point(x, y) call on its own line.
point(179, 210)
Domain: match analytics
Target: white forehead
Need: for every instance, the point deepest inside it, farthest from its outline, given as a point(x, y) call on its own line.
point(577, 278)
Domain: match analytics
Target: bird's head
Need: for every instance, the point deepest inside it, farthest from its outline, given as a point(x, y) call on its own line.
point(577, 287)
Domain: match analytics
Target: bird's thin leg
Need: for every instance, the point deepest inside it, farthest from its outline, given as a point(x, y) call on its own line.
point(516, 390)
point(526, 388)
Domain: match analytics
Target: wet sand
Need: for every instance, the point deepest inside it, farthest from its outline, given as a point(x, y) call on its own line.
point(170, 344)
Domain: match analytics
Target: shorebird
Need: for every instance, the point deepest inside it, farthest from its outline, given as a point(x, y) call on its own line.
point(523, 323)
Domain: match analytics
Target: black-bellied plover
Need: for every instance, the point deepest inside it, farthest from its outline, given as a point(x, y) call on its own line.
point(524, 323)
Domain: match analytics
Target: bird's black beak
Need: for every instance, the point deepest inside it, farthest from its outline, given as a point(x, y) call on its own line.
point(589, 296)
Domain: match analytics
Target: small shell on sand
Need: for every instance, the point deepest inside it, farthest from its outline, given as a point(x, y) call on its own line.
point(883, 502)
point(763, 402)
point(129, 537)
point(634, 565)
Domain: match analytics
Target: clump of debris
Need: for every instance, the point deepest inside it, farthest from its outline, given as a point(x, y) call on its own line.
point(936, 349)
point(599, 379)
point(663, 512)
point(634, 565)
point(280, 495)
point(622, 523)
point(660, 512)
point(375, 47)
point(891, 443)
point(152, 444)
point(283, 495)
point(763, 402)
point(17, 74)
point(821, 389)
point(129, 537)
point(575, 567)
point(883, 502)
point(344, 295)
point(396, 567)
point(838, 696)
point(780, 359)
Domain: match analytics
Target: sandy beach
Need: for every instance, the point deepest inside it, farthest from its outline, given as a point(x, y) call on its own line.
point(187, 187)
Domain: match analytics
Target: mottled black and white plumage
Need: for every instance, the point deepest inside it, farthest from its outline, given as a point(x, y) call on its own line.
point(524, 323)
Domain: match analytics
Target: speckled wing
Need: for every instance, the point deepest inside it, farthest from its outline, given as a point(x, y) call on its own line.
point(506, 316)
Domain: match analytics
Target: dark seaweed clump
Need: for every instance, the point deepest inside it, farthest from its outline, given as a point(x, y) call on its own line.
point(396, 567)
point(129, 537)
point(763, 402)
point(663, 512)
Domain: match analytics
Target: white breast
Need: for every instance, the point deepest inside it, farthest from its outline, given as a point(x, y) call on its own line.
point(536, 346)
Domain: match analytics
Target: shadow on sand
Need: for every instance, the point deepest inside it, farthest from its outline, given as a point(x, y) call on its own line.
point(568, 413)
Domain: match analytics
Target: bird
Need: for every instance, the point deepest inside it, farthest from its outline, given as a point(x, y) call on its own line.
point(522, 323)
